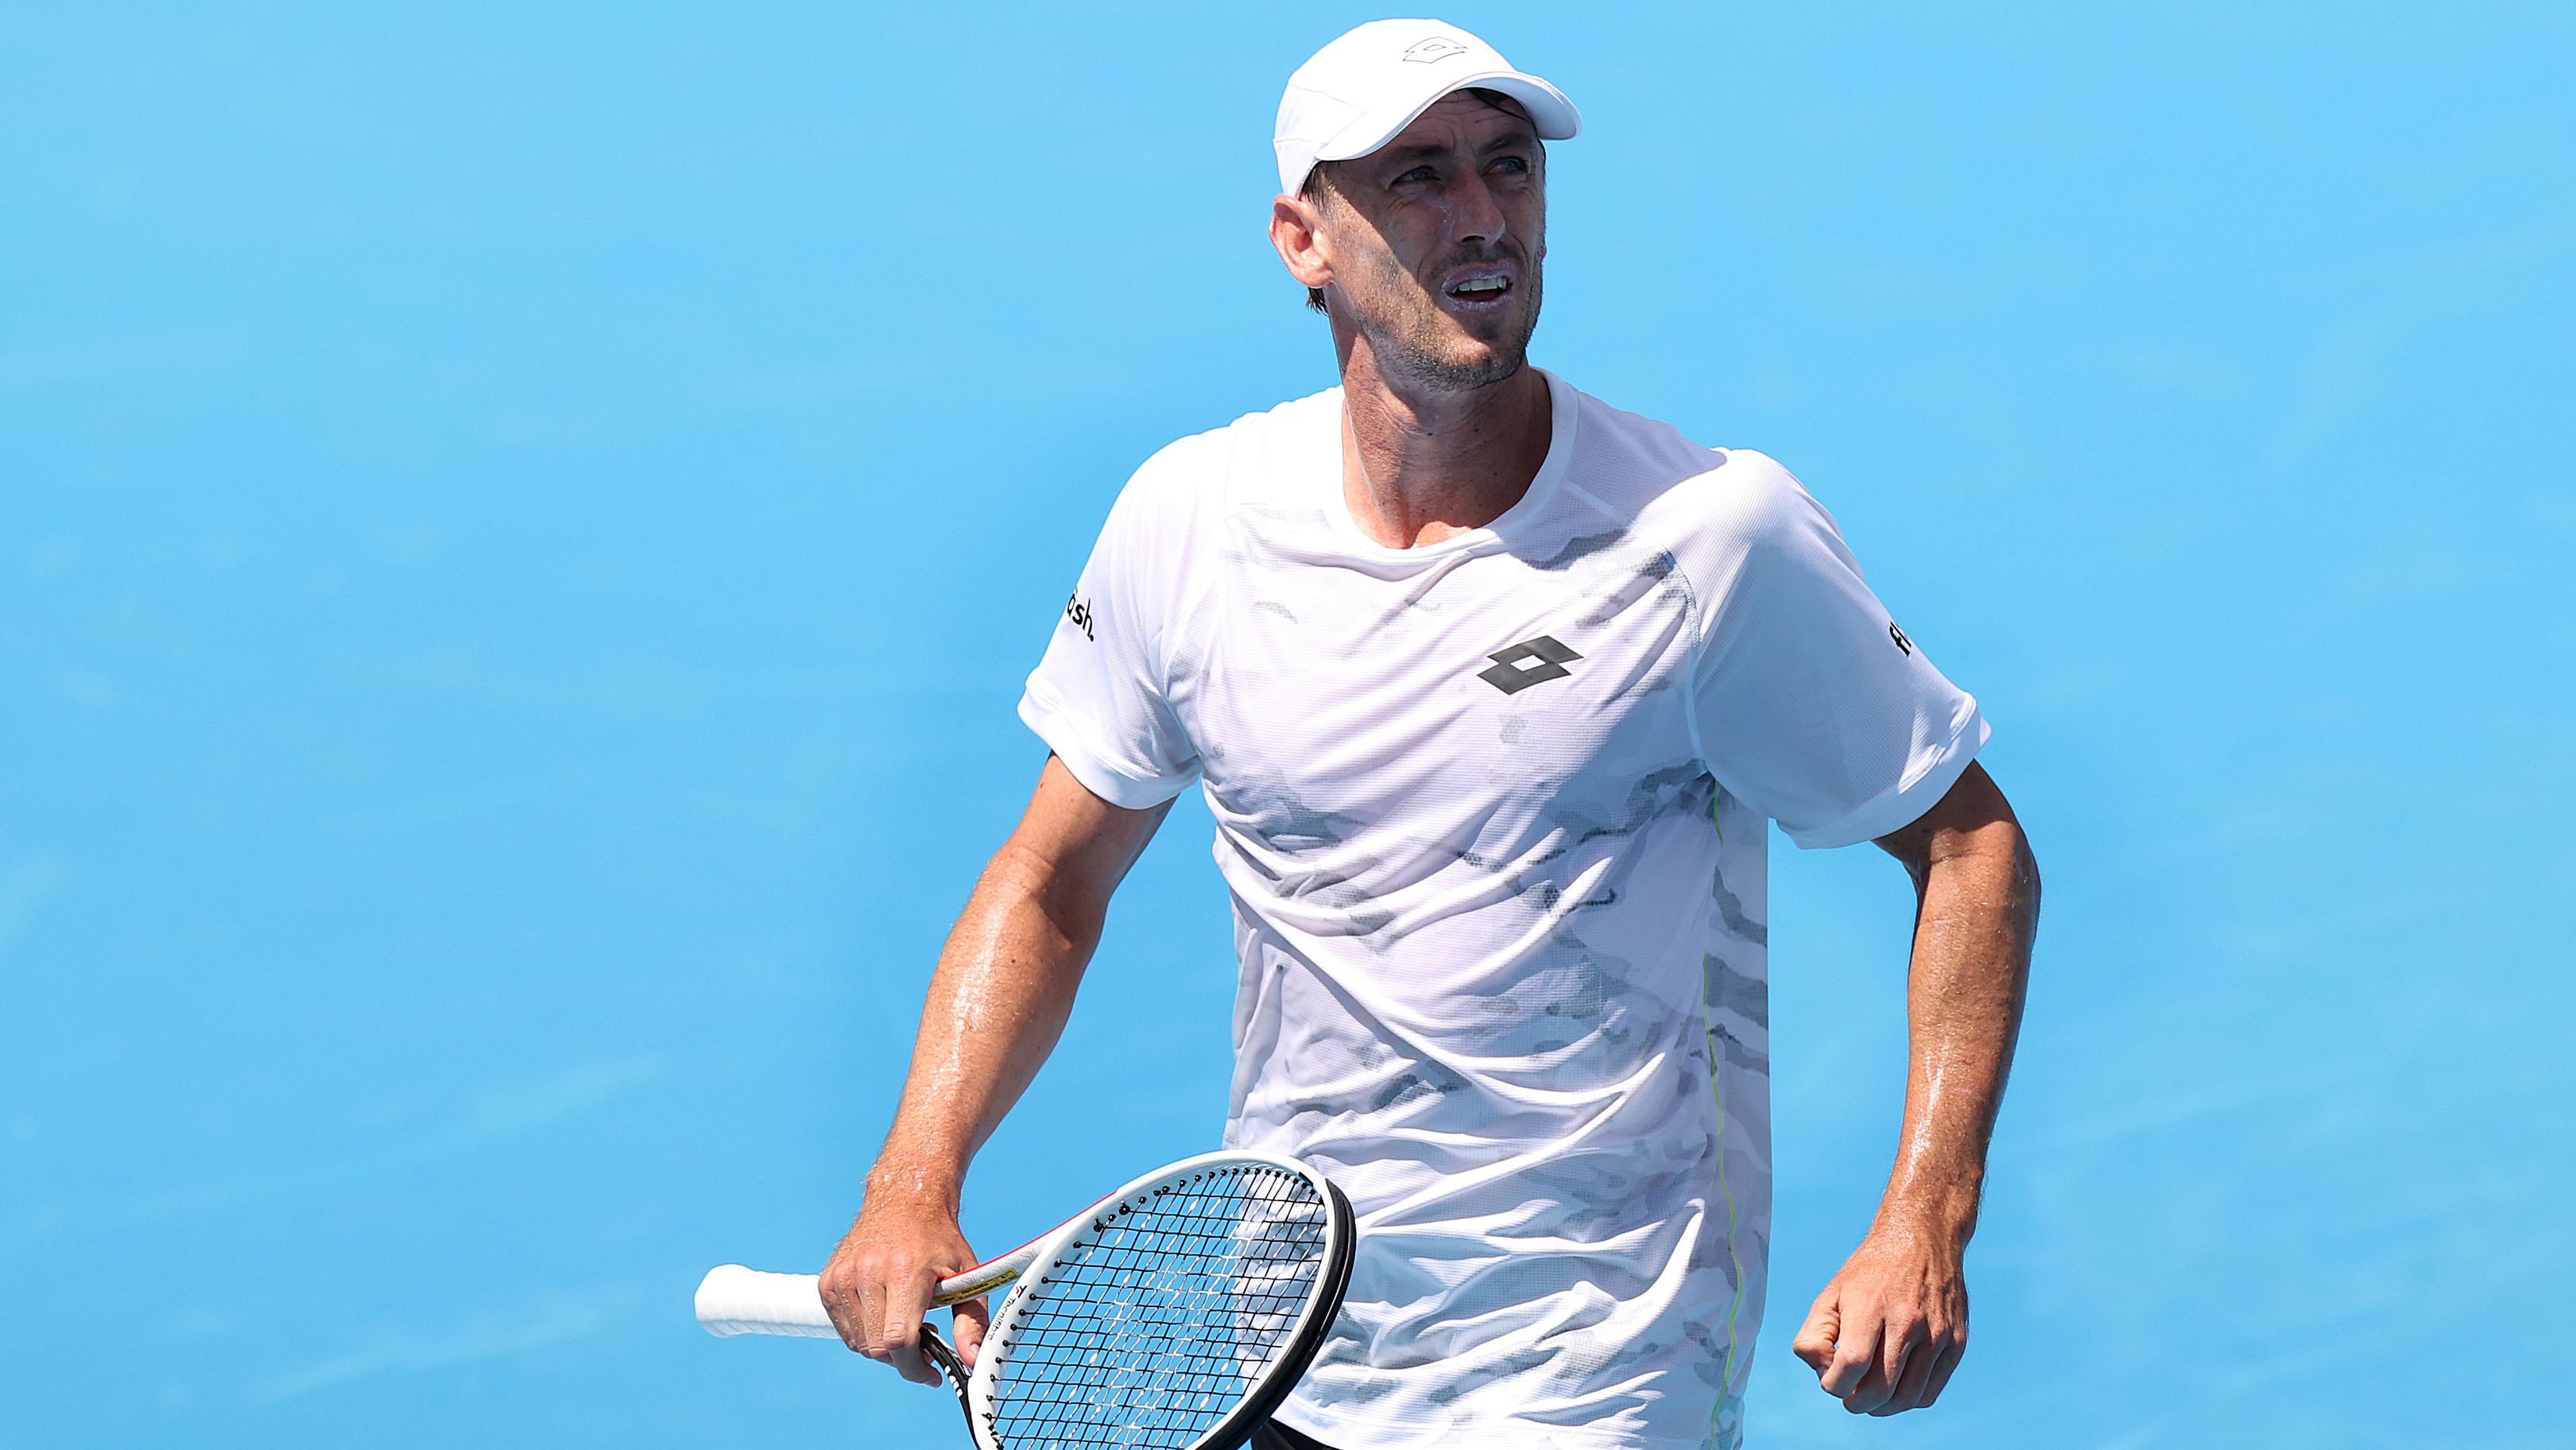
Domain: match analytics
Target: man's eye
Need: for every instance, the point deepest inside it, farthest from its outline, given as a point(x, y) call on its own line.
point(1419, 173)
point(1512, 163)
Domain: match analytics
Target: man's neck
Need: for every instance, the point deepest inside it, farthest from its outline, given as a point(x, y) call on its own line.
point(1419, 465)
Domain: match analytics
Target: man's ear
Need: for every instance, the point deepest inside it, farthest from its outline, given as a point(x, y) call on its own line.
point(1296, 230)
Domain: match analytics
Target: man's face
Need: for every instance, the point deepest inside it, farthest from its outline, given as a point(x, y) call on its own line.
point(1435, 241)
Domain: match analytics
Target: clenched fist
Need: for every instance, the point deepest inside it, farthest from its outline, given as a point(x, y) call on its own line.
point(1890, 1327)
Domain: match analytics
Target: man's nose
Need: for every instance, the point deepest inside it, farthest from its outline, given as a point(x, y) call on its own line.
point(1475, 211)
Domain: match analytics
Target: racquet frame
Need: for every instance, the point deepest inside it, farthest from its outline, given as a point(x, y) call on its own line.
point(975, 1387)
point(735, 1300)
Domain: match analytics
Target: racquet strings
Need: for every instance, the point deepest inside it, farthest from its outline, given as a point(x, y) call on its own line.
point(1157, 1324)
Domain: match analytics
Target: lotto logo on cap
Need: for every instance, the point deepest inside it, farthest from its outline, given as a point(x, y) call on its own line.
point(1359, 92)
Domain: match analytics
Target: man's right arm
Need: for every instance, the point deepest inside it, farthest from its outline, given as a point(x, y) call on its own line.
point(998, 1001)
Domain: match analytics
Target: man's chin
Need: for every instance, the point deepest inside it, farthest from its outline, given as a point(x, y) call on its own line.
point(1480, 365)
point(1458, 356)
point(1499, 345)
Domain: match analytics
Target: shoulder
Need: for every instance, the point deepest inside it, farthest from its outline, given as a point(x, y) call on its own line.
point(1205, 475)
point(1749, 495)
point(1648, 470)
point(1749, 522)
point(1621, 446)
point(1160, 537)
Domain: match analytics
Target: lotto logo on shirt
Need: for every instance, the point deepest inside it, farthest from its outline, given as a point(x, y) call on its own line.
point(1078, 610)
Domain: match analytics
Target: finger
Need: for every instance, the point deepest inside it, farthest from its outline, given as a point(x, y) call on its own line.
point(1921, 1361)
point(1815, 1341)
point(1900, 1339)
point(899, 1337)
point(1939, 1379)
point(966, 1329)
point(863, 1297)
point(1855, 1354)
point(862, 1317)
point(890, 1324)
point(838, 1303)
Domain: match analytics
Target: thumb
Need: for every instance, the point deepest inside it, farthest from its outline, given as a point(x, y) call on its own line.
point(1816, 1337)
point(973, 1317)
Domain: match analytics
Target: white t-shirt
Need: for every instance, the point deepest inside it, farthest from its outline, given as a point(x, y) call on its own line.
point(1492, 814)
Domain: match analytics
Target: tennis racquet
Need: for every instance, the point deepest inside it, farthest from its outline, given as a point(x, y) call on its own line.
point(1174, 1314)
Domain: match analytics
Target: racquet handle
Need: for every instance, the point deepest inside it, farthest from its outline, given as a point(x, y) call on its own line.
point(735, 1300)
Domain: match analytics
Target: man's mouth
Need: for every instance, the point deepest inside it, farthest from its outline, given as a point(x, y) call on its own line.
point(1480, 287)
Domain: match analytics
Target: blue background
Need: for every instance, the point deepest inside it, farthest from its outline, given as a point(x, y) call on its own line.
point(521, 528)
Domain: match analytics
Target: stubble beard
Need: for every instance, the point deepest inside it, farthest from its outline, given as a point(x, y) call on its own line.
point(1417, 347)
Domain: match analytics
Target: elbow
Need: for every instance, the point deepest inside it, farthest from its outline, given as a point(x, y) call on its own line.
point(2025, 883)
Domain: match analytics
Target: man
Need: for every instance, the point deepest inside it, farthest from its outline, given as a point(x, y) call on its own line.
point(1491, 689)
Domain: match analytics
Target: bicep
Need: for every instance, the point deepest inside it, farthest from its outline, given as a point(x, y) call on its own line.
point(1972, 818)
point(1810, 705)
point(1080, 845)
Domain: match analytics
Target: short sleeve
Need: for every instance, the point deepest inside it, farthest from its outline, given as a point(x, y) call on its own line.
point(1099, 697)
point(1809, 702)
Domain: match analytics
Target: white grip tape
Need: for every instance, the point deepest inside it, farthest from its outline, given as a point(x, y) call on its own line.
point(736, 1300)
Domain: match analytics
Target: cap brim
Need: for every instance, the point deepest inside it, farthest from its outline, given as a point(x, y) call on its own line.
point(1549, 110)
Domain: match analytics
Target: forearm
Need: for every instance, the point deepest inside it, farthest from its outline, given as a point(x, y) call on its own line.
point(1889, 1328)
point(1979, 908)
point(998, 1000)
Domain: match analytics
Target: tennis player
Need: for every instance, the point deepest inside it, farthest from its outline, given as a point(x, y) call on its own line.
point(1493, 690)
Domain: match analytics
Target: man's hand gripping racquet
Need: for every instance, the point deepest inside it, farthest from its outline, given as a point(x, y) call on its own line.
point(1174, 1314)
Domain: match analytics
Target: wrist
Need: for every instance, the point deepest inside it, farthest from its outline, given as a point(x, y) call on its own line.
point(918, 1183)
point(1945, 1217)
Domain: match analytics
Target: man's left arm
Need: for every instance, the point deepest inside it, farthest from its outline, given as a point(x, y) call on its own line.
point(1890, 1327)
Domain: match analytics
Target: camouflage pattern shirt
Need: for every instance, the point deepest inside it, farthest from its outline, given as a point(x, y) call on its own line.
point(1493, 811)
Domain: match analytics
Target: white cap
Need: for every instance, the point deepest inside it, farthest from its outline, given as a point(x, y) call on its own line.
point(1357, 93)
